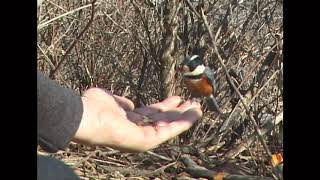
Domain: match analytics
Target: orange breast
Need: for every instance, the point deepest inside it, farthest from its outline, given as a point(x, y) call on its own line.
point(199, 88)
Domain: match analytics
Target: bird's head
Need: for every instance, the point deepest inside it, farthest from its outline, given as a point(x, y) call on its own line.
point(192, 66)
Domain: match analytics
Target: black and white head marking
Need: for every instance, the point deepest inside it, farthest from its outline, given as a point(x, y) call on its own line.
point(193, 66)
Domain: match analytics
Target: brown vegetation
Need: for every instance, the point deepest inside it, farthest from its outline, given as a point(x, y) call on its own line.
point(132, 48)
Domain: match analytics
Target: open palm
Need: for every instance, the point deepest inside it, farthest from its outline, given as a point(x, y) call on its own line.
point(113, 121)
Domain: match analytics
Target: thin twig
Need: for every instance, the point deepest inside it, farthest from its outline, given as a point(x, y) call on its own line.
point(84, 159)
point(108, 162)
point(193, 9)
point(226, 123)
point(114, 22)
point(251, 118)
point(75, 41)
point(163, 167)
point(46, 57)
point(159, 156)
point(42, 25)
point(244, 145)
point(201, 172)
point(264, 86)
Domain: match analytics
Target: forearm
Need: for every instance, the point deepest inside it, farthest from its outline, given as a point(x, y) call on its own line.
point(59, 112)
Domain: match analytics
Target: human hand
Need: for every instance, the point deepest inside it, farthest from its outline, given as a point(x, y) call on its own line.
point(111, 120)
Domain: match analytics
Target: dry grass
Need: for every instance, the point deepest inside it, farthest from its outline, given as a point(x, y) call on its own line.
point(120, 51)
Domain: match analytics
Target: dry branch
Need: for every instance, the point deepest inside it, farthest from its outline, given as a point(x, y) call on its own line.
point(75, 41)
point(234, 87)
point(197, 171)
point(244, 145)
point(167, 61)
point(132, 51)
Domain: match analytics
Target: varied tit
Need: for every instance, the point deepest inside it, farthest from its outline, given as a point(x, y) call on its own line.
point(199, 80)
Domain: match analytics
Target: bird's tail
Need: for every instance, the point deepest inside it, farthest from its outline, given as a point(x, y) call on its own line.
point(213, 104)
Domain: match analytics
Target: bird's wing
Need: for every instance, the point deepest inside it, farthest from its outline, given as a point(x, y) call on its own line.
point(210, 76)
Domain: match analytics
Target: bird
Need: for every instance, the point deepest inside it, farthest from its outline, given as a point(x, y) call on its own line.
point(199, 80)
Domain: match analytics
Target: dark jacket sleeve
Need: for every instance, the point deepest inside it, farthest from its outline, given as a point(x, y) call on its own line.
point(59, 112)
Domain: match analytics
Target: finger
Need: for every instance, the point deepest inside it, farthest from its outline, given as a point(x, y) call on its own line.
point(170, 116)
point(165, 131)
point(134, 117)
point(169, 103)
point(108, 99)
point(175, 113)
point(165, 105)
point(167, 116)
point(125, 103)
point(143, 138)
point(98, 94)
point(188, 105)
